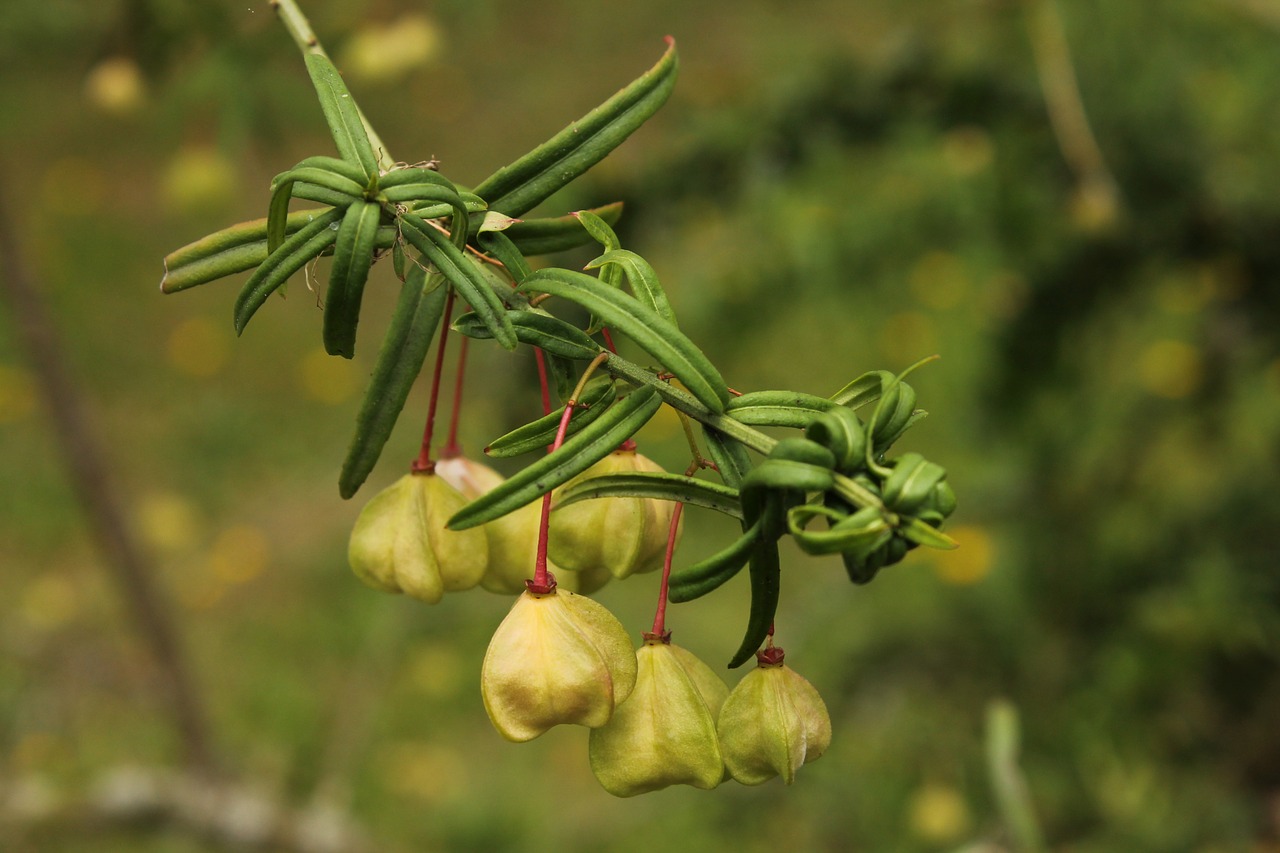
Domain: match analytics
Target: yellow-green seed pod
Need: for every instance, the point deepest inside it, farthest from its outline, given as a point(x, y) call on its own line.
point(773, 722)
point(557, 658)
point(513, 538)
point(400, 542)
point(665, 733)
point(625, 535)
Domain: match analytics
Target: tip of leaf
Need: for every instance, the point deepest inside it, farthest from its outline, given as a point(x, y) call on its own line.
point(670, 40)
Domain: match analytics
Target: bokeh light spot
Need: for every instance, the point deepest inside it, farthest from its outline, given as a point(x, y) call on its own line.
point(199, 347)
point(969, 563)
point(326, 378)
point(1171, 369)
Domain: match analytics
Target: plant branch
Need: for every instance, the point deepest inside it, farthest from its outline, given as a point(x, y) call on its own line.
point(684, 402)
point(1062, 99)
point(127, 562)
point(305, 38)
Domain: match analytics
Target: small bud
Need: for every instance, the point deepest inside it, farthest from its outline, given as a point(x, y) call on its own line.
point(557, 658)
point(665, 733)
point(513, 538)
point(400, 542)
point(773, 722)
point(626, 535)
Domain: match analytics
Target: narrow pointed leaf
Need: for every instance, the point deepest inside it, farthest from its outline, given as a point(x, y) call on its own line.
point(731, 458)
point(539, 329)
point(790, 475)
point(233, 249)
point(342, 114)
point(778, 408)
point(408, 338)
point(463, 275)
point(413, 175)
point(293, 254)
point(352, 258)
point(519, 187)
point(923, 534)
point(706, 575)
point(539, 434)
point(865, 389)
point(765, 569)
point(345, 168)
point(659, 485)
point(642, 278)
point(501, 246)
point(282, 193)
point(655, 335)
point(558, 234)
point(576, 455)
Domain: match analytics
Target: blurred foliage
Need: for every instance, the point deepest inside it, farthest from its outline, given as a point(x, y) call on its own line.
point(840, 189)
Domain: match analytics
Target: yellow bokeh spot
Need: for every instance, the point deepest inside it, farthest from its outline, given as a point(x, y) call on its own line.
point(967, 150)
point(383, 54)
point(1186, 294)
point(326, 378)
point(939, 281)
point(1095, 206)
point(436, 671)
point(200, 592)
point(115, 86)
point(167, 521)
point(422, 771)
point(50, 601)
point(969, 563)
point(198, 177)
point(939, 814)
point(17, 394)
point(1171, 369)
point(239, 554)
point(907, 336)
point(199, 347)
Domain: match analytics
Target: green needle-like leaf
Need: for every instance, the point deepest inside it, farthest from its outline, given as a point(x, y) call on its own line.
point(408, 338)
point(352, 258)
point(500, 245)
point(778, 408)
point(341, 113)
point(413, 175)
point(463, 275)
point(709, 574)
point(539, 434)
point(576, 455)
point(644, 281)
point(539, 329)
point(731, 458)
point(234, 249)
point(654, 334)
point(293, 254)
point(655, 484)
point(558, 234)
point(346, 191)
point(923, 534)
point(765, 570)
point(519, 187)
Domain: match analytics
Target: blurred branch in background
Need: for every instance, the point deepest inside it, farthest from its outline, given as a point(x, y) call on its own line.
point(1096, 186)
point(128, 563)
point(1007, 781)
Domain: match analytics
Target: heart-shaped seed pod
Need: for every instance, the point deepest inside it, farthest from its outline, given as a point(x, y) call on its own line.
point(665, 733)
point(625, 535)
point(557, 657)
point(513, 538)
point(773, 722)
point(400, 542)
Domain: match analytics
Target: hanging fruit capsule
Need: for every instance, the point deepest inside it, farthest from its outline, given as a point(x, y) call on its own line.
point(665, 733)
point(400, 542)
point(625, 535)
point(557, 657)
point(773, 722)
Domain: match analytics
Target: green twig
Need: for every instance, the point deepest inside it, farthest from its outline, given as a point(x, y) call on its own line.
point(681, 401)
point(307, 41)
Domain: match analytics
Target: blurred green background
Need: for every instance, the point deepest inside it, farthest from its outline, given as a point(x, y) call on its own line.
point(832, 188)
